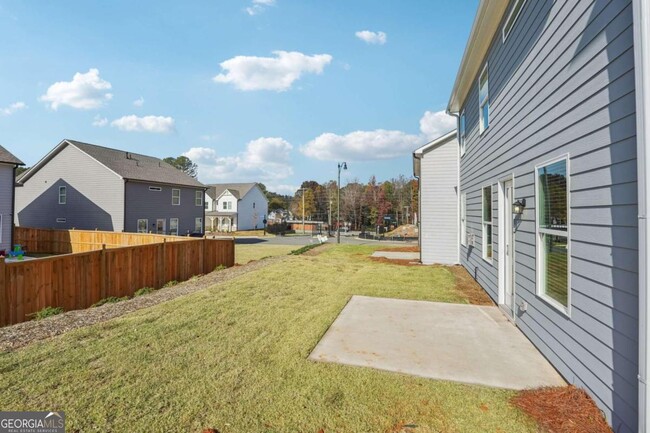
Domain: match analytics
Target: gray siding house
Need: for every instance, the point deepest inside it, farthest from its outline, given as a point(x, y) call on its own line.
point(552, 100)
point(85, 186)
point(8, 164)
point(436, 167)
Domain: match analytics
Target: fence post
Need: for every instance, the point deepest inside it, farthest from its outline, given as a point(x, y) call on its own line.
point(204, 255)
point(4, 308)
point(103, 274)
point(160, 264)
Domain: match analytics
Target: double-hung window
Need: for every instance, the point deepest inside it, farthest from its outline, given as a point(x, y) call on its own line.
point(198, 198)
point(143, 226)
point(173, 226)
point(553, 228)
point(462, 134)
point(484, 100)
point(487, 222)
point(63, 195)
point(176, 197)
point(463, 219)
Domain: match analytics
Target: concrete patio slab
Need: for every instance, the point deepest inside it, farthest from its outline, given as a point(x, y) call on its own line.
point(396, 255)
point(462, 343)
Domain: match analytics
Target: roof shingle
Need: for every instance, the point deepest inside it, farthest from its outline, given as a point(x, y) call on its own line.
point(8, 157)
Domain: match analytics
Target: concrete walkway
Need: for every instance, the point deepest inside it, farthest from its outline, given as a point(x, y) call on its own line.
point(463, 343)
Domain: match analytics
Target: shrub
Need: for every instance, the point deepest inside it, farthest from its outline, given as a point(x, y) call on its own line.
point(170, 284)
point(47, 312)
point(303, 250)
point(109, 300)
point(220, 268)
point(143, 291)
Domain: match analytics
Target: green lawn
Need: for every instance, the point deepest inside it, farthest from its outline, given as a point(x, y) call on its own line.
point(234, 357)
point(245, 253)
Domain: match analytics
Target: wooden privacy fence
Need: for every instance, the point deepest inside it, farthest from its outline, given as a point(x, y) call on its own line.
point(77, 241)
point(79, 280)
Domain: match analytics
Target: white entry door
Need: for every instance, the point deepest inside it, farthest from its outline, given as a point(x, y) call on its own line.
point(507, 226)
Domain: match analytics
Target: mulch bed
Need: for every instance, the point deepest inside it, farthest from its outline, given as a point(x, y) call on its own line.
point(22, 334)
point(562, 410)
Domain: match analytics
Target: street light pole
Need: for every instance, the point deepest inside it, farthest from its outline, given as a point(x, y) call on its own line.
point(343, 166)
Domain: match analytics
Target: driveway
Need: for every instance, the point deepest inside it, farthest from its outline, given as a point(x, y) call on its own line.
point(461, 343)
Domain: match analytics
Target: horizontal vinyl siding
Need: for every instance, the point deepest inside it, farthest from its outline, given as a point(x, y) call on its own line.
point(6, 205)
point(439, 207)
point(95, 195)
point(563, 83)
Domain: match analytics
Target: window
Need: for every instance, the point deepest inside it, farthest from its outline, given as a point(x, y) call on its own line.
point(553, 250)
point(143, 226)
point(198, 198)
point(253, 205)
point(461, 133)
point(512, 17)
point(484, 100)
point(463, 219)
point(487, 223)
point(155, 188)
point(198, 225)
point(173, 226)
point(63, 195)
point(227, 205)
point(207, 205)
point(176, 197)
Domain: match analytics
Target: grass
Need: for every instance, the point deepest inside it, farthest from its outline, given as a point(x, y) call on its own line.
point(47, 312)
point(249, 252)
point(234, 358)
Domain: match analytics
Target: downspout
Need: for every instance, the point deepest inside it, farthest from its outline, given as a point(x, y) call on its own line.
point(641, 10)
point(13, 210)
point(418, 176)
point(124, 214)
point(459, 234)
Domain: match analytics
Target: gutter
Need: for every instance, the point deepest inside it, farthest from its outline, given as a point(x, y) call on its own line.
point(641, 10)
point(458, 194)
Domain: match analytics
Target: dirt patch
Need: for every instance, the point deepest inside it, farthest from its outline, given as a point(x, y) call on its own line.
point(407, 249)
point(468, 287)
point(318, 250)
point(562, 410)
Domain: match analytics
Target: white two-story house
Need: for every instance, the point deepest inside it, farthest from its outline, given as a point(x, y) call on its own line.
point(235, 206)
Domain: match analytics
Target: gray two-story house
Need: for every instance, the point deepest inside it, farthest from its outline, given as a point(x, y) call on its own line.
point(553, 107)
point(85, 186)
point(8, 165)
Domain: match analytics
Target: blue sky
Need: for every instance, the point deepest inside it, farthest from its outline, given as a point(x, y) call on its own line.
point(276, 91)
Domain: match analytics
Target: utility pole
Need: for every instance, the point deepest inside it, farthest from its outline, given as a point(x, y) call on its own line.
point(343, 166)
point(329, 219)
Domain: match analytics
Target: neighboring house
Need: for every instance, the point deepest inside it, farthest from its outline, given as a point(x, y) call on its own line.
point(553, 107)
point(8, 164)
point(235, 206)
point(84, 186)
point(436, 166)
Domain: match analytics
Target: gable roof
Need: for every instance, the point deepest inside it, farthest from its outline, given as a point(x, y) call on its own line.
point(8, 157)
point(239, 190)
point(127, 165)
point(486, 24)
point(440, 140)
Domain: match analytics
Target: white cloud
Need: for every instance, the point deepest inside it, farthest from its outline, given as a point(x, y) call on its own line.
point(138, 102)
point(378, 38)
point(266, 158)
point(282, 188)
point(378, 144)
point(85, 91)
point(100, 121)
point(133, 123)
point(270, 73)
point(259, 6)
point(209, 137)
point(436, 124)
point(11, 109)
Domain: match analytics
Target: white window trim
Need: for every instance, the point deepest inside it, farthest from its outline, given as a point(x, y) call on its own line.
point(463, 219)
point(512, 19)
point(179, 197)
point(146, 230)
point(61, 220)
point(64, 195)
point(538, 244)
point(482, 129)
point(178, 222)
point(483, 224)
point(198, 198)
point(462, 133)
